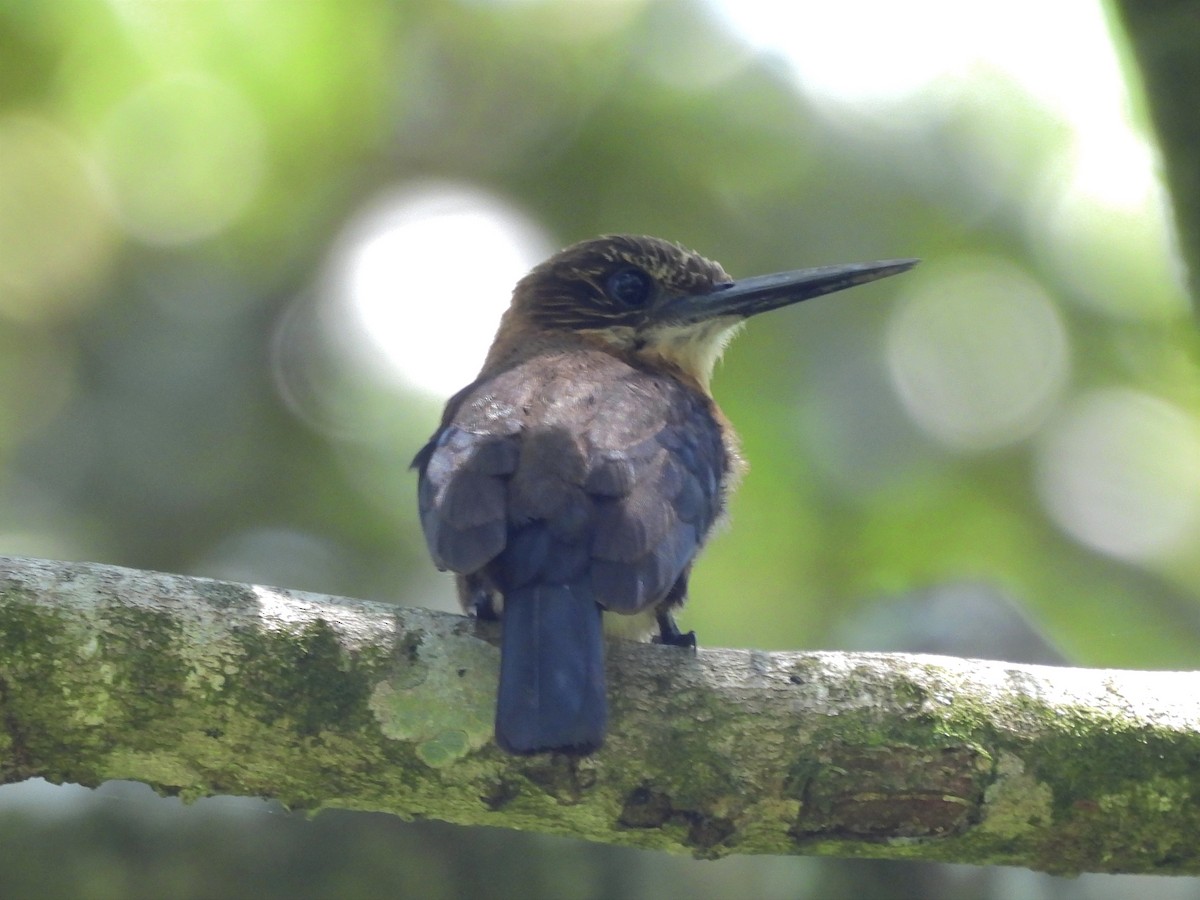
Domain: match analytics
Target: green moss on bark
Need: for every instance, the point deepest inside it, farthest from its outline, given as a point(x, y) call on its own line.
point(228, 689)
point(305, 679)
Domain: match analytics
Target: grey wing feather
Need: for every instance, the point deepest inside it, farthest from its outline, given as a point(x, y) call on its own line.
point(608, 473)
point(461, 496)
point(656, 500)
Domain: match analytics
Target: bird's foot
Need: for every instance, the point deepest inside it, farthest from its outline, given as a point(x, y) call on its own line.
point(482, 606)
point(670, 635)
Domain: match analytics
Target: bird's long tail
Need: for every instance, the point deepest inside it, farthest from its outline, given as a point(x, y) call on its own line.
point(551, 694)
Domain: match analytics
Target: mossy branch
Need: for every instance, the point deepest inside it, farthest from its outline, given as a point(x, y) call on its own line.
point(202, 687)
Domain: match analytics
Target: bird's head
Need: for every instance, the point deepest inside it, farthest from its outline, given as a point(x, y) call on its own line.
point(652, 299)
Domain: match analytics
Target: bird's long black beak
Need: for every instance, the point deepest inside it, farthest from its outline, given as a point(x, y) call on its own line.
point(750, 296)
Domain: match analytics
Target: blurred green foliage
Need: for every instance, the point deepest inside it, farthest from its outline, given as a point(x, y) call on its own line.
point(175, 179)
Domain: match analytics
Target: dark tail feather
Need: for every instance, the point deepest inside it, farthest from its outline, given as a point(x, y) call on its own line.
point(551, 693)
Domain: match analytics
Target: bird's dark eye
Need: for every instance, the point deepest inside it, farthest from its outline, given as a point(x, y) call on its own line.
point(629, 287)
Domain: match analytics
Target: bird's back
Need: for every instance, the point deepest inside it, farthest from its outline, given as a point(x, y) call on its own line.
point(574, 466)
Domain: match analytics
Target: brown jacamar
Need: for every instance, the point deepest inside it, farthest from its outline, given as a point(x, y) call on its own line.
point(585, 467)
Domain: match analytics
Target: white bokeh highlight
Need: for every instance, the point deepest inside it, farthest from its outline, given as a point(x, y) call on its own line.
point(184, 157)
point(424, 274)
point(978, 354)
point(1120, 473)
point(837, 52)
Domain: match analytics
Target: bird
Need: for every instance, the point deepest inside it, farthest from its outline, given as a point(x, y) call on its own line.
point(585, 467)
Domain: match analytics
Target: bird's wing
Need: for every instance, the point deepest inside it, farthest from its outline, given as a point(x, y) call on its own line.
point(463, 477)
point(655, 471)
point(572, 468)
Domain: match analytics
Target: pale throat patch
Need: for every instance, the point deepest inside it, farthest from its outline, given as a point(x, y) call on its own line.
point(694, 349)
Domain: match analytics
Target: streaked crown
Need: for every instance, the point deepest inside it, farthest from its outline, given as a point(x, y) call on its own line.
point(616, 281)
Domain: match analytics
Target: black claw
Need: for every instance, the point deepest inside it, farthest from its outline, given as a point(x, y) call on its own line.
point(483, 606)
point(670, 635)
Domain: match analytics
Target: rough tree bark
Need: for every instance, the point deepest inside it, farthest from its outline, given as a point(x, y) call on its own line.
point(202, 687)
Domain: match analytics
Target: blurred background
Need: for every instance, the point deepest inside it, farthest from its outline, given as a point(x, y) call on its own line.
point(249, 247)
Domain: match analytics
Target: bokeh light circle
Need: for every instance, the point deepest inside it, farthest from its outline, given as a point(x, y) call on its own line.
point(1120, 473)
point(185, 156)
point(978, 354)
point(424, 273)
point(56, 235)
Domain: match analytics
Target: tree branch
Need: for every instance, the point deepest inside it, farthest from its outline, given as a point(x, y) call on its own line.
point(1164, 36)
point(202, 687)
